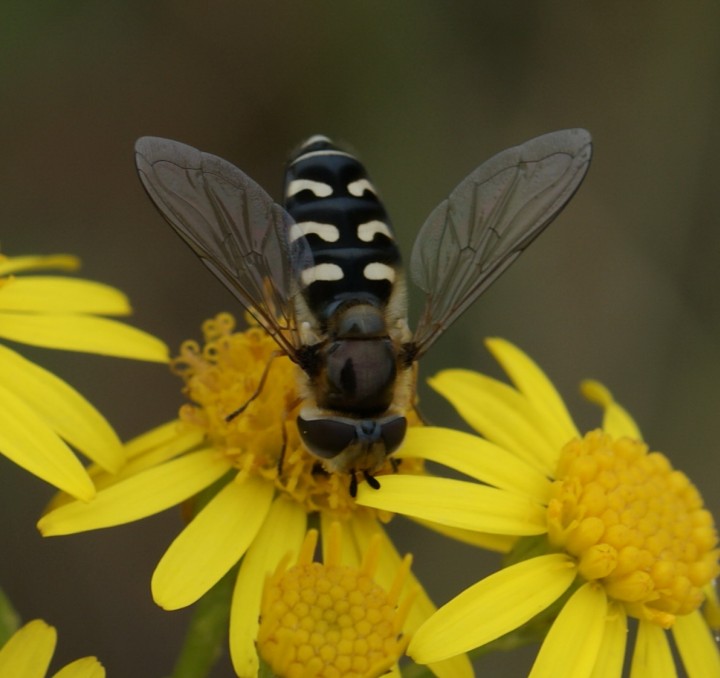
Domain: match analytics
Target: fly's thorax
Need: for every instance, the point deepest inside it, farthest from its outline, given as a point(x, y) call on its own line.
point(342, 222)
point(358, 362)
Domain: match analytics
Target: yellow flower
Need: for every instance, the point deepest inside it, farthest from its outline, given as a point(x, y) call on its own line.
point(266, 486)
point(331, 619)
point(39, 413)
point(610, 529)
point(28, 652)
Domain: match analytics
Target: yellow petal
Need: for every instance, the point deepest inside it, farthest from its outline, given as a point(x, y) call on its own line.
point(500, 414)
point(63, 409)
point(611, 656)
point(456, 503)
point(491, 542)
point(182, 442)
point(350, 554)
point(28, 652)
point(652, 657)
point(154, 438)
point(533, 383)
point(476, 458)
point(62, 262)
point(53, 294)
point(494, 606)
point(29, 442)
point(571, 647)
point(82, 333)
point(281, 534)
point(212, 543)
point(697, 646)
point(364, 527)
point(140, 496)
point(87, 667)
point(616, 420)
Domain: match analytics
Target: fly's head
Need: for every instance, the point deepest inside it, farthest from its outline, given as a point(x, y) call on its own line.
point(347, 445)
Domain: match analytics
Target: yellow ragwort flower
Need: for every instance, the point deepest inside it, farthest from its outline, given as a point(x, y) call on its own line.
point(28, 652)
point(331, 619)
point(269, 486)
point(612, 530)
point(39, 413)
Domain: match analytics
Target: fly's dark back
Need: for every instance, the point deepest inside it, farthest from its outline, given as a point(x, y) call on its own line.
point(337, 211)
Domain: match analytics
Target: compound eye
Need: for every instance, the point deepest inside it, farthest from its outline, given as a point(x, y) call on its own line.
point(393, 433)
point(326, 438)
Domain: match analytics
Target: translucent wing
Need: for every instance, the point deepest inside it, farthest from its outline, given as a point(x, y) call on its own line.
point(232, 224)
point(488, 220)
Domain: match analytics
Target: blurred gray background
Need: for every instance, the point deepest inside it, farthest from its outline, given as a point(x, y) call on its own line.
point(623, 287)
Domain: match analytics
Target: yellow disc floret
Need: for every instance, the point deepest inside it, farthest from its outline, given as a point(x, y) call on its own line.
point(332, 620)
point(634, 524)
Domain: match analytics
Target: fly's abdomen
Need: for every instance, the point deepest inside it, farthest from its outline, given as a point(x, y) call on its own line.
point(336, 209)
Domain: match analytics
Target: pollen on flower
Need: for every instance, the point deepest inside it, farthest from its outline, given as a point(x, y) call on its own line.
point(332, 620)
point(635, 525)
point(226, 374)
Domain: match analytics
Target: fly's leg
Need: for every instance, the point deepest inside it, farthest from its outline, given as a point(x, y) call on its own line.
point(281, 458)
point(258, 390)
point(371, 480)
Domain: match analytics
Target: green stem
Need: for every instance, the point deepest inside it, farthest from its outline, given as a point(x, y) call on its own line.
point(416, 671)
point(207, 634)
point(265, 671)
point(9, 619)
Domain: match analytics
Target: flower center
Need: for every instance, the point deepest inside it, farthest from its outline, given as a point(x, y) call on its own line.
point(330, 619)
point(634, 524)
point(236, 369)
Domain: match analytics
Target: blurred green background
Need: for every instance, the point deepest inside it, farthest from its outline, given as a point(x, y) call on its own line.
point(623, 287)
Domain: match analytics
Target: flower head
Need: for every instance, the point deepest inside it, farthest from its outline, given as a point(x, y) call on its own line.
point(331, 619)
point(27, 654)
point(39, 413)
point(265, 484)
point(607, 530)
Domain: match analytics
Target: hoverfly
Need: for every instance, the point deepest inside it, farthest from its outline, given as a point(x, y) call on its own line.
point(322, 275)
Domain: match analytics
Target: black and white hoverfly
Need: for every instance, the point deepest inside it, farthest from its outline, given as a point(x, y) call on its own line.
point(323, 274)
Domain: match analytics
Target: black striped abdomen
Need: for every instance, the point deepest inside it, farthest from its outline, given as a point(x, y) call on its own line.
point(337, 211)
